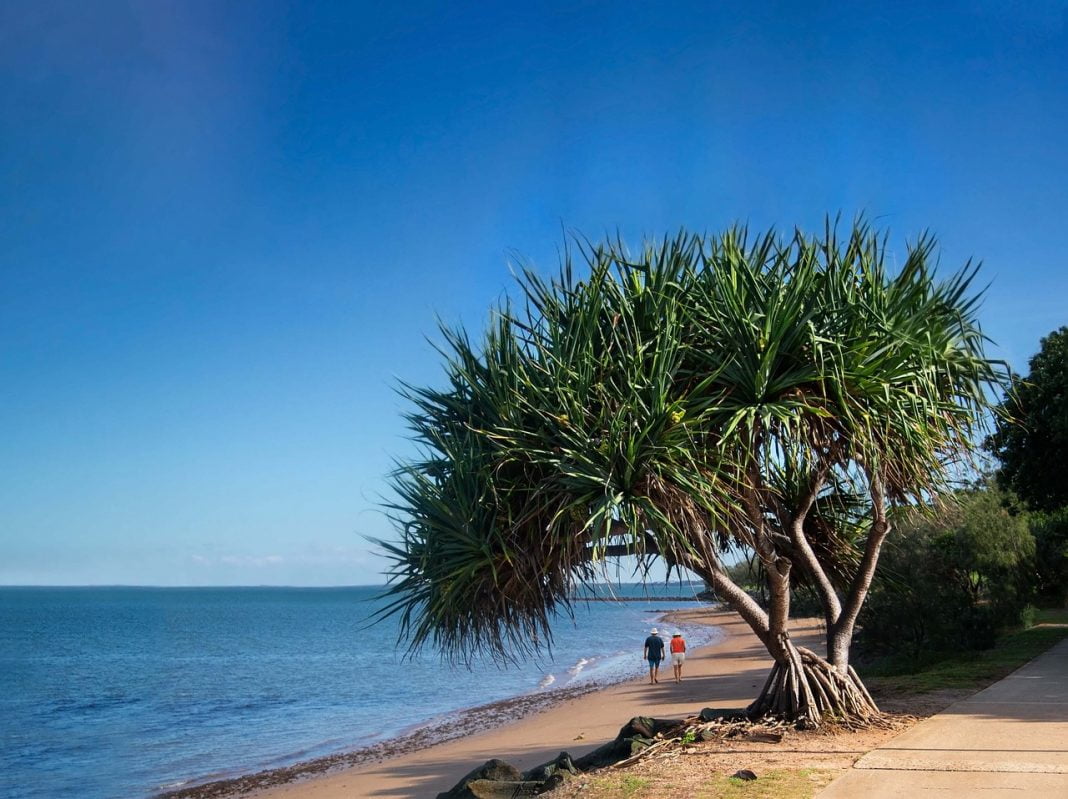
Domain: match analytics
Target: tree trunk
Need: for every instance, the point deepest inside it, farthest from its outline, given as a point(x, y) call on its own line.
point(838, 644)
point(807, 689)
point(802, 686)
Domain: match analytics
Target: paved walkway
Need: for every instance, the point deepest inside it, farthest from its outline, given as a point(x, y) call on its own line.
point(1010, 739)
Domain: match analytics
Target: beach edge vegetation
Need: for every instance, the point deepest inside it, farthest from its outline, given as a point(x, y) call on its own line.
point(780, 395)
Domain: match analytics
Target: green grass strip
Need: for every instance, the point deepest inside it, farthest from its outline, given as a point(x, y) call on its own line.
point(964, 670)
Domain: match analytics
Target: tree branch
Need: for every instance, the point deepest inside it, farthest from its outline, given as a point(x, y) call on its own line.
point(760, 539)
point(733, 594)
point(862, 579)
point(706, 566)
point(804, 550)
point(649, 545)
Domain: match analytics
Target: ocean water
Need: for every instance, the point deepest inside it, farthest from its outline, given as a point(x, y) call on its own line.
point(123, 692)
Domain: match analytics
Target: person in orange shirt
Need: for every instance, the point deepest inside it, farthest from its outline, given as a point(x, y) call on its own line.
point(678, 654)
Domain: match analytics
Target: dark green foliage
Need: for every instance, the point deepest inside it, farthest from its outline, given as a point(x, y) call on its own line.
point(1031, 439)
point(959, 669)
point(676, 402)
point(1051, 556)
point(913, 607)
point(951, 578)
point(1032, 447)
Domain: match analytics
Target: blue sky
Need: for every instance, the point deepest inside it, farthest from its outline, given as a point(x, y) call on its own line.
point(227, 229)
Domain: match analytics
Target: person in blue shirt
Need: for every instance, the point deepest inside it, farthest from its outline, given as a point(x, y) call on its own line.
point(654, 653)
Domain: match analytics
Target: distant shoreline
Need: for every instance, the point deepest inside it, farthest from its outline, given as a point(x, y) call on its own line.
point(723, 674)
point(440, 730)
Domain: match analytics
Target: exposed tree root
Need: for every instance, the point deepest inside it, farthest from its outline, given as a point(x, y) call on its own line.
point(807, 689)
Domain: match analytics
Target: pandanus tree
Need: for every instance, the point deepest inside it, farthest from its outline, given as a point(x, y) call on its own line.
point(706, 394)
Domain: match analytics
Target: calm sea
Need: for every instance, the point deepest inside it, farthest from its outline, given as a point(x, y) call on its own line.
point(109, 693)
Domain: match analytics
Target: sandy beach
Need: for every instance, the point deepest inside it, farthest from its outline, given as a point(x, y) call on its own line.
point(726, 674)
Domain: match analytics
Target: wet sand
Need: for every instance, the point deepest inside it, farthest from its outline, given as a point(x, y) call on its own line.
point(727, 674)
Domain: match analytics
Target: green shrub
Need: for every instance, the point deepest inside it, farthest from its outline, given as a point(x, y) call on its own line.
point(1051, 556)
point(952, 580)
point(1028, 617)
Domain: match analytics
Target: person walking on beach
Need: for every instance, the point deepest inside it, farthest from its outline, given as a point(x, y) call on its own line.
point(654, 653)
point(678, 654)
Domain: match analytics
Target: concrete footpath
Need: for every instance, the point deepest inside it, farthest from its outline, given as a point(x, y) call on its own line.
point(1010, 739)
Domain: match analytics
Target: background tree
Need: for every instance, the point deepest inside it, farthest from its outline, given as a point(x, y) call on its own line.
point(704, 394)
point(951, 580)
point(1032, 451)
point(1050, 529)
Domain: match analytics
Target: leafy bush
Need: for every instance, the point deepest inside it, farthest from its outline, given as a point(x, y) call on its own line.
point(1028, 617)
point(952, 580)
point(1051, 556)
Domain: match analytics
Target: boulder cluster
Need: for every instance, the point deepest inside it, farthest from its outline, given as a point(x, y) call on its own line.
point(496, 779)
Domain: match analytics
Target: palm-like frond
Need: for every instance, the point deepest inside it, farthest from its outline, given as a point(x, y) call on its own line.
point(654, 399)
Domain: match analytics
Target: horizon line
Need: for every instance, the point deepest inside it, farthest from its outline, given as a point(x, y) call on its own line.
point(264, 585)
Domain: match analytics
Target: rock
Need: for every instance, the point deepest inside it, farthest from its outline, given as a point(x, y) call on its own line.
point(637, 744)
point(496, 779)
point(717, 714)
point(639, 725)
point(555, 781)
point(647, 727)
point(504, 789)
point(561, 764)
point(604, 755)
point(635, 735)
point(496, 770)
point(744, 774)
